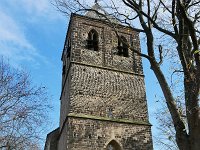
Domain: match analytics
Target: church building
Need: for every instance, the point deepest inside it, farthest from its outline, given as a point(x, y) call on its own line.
point(103, 99)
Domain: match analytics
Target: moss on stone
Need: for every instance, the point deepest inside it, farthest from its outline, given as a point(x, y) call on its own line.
point(107, 68)
point(83, 116)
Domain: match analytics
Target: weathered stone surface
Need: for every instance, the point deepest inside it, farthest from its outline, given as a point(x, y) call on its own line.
point(104, 92)
point(119, 94)
point(87, 134)
point(103, 99)
point(108, 41)
point(52, 140)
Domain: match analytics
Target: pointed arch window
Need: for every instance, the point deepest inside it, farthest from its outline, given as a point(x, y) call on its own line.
point(122, 47)
point(113, 145)
point(92, 41)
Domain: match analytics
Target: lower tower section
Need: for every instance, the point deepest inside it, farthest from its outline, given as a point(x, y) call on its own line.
point(106, 110)
point(93, 133)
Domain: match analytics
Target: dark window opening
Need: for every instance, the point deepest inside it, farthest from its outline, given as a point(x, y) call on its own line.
point(68, 48)
point(68, 52)
point(122, 47)
point(89, 136)
point(110, 112)
point(92, 41)
point(113, 145)
point(75, 135)
point(64, 69)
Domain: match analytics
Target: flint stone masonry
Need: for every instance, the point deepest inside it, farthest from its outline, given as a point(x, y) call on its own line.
point(87, 134)
point(106, 55)
point(103, 98)
point(105, 90)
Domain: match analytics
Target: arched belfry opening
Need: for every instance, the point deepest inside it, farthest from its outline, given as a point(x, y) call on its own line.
point(122, 47)
point(113, 145)
point(93, 40)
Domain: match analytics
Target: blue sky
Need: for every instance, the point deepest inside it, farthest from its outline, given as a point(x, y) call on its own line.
point(32, 33)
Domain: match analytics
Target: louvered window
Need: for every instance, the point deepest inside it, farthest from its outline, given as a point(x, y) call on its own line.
point(92, 41)
point(122, 47)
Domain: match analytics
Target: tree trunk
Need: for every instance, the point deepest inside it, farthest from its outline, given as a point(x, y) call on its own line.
point(182, 138)
point(191, 95)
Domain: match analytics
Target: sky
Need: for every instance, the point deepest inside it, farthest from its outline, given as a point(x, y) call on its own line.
point(32, 34)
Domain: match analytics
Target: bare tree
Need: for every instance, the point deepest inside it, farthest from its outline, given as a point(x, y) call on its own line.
point(170, 27)
point(165, 138)
point(23, 109)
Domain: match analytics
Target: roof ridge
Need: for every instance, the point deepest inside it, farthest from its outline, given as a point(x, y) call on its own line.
point(98, 8)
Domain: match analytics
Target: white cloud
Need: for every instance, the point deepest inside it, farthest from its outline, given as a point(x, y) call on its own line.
point(11, 31)
point(13, 42)
point(35, 6)
point(34, 9)
point(18, 20)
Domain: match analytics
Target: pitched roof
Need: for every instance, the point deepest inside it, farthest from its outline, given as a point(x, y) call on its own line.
point(105, 16)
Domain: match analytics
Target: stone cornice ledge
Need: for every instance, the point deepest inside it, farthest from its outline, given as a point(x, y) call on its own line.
point(107, 68)
point(73, 115)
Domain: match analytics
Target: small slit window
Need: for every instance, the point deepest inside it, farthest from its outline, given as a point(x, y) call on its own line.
point(64, 69)
point(110, 112)
point(122, 47)
point(92, 41)
point(68, 47)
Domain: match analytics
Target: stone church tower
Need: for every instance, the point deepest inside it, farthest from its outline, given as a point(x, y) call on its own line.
point(103, 102)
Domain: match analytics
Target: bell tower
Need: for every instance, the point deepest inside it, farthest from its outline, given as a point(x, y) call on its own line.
point(103, 102)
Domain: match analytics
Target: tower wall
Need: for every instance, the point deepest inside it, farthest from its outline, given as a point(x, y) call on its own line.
point(93, 134)
point(103, 95)
point(107, 93)
point(106, 55)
